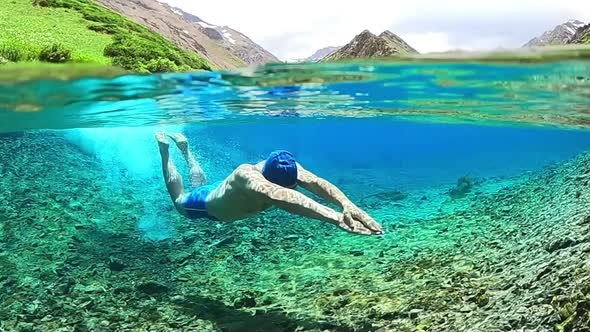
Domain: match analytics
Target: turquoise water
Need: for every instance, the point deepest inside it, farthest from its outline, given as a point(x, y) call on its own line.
point(549, 93)
point(88, 227)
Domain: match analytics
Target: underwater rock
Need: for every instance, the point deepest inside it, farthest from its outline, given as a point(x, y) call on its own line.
point(26, 327)
point(330, 303)
point(357, 252)
point(464, 185)
point(506, 208)
point(181, 256)
point(152, 287)
point(548, 269)
point(65, 287)
point(412, 314)
point(481, 299)
point(116, 265)
point(573, 311)
point(223, 242)
point(189, 239)
point(122, 290)
point(178, 299)
point(7, 267)
point(246, 300)
point(562, 244)
point(75, 205)
point(378, 200)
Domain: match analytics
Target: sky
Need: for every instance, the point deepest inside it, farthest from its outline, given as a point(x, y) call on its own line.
point(297, 28)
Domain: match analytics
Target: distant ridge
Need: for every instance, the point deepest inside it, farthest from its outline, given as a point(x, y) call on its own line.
point(322, 53)
point(368, 45)
point(560, 35)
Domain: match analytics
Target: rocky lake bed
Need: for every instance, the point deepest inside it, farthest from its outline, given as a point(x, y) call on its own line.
point(509, 255)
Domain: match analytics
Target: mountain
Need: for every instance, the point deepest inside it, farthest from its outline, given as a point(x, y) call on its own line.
point(321, 53)
point(396, 42)
point(582, 35)
point(223, 46)
point(368, 45)
point(560, 35)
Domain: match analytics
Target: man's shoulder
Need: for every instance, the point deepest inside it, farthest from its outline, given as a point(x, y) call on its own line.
point(246, 169)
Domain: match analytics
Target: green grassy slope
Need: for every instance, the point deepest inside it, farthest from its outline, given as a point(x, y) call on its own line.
point(29, 28)
point(93, 34)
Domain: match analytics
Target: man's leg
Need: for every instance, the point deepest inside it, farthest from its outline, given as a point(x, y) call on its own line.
point(196, 173)
point(171, 176)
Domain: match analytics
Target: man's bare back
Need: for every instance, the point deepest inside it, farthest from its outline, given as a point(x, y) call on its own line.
point(251, 189)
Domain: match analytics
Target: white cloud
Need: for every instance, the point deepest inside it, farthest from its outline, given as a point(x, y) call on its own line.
point(429, 41)
point(295, 29)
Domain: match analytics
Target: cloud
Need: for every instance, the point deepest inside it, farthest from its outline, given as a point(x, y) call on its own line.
point(429, 41)
point(488, 25)
point(295, 29)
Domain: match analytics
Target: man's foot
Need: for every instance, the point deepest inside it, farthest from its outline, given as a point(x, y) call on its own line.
point(162, 141)
point(180, 140)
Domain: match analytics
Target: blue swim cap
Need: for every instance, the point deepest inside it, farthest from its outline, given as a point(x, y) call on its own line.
point(280, 168)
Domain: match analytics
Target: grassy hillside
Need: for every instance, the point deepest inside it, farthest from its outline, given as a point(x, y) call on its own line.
point(84, 31)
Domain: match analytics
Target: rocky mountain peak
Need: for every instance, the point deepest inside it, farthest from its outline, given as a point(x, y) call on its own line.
point(582, 35)
point(397, 41)
point(368, 45)
point(561, 34)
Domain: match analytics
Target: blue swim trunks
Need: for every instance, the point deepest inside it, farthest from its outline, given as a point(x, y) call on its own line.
point(195, 202)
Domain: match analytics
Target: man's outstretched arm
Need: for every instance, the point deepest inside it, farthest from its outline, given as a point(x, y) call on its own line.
point(331, 193)
point(295, 202)
point(321, 187)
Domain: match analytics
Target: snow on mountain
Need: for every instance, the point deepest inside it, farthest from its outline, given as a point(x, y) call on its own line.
point(560, 35)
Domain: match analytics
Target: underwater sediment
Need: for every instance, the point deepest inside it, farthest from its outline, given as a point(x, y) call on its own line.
point(511, 254)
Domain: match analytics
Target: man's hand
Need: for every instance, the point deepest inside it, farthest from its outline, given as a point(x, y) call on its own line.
point(359, 221)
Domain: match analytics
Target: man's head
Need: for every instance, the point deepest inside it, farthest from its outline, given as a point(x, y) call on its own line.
point(280, 168)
